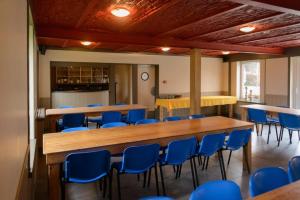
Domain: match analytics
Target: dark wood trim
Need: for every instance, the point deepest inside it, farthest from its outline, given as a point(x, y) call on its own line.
point(246, 57)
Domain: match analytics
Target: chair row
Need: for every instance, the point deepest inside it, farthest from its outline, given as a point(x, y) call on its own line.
point(93, 166)
point(133, 117)
point(270, 178)
point(285, 121)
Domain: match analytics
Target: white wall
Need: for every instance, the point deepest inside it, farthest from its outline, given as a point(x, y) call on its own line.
point(174, 70)
point(277, 76)
point(14, 102)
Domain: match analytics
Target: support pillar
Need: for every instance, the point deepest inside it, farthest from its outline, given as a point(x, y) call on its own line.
point(195, 81)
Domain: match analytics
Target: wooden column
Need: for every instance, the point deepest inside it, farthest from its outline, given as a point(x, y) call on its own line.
point(195, 81)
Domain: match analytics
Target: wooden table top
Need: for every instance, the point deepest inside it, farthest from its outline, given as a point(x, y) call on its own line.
point(55, 143)
point(288, 192)
point(273, 109)
point(100, 109)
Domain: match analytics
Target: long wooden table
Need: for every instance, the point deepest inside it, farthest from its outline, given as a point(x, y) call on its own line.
point(54, 114)
point(288, 192)
point(274, 110)
point(206, 101)
point(57, 145)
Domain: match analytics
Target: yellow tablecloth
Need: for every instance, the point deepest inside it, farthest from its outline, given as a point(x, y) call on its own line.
point(206, 101)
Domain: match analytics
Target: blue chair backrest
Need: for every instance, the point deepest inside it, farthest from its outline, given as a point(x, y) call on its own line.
point(73, 120)
point(172, 118)
point(179, 151)
point(111, 116)
point(238, 138)
point(135, 115)
point(68, 130)
point(294, 169)
point(289, 120)
point(114, 124)
point(217, 190)
point(210, 144)
point(138, 159)
point(147, 121)
point(267, 179)
point(95, 105)
point(257, 116)
point(196, 116)
point(85, 167)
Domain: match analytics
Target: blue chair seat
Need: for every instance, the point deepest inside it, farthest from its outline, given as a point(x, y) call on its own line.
point(97, 119)
point(272, 120)
point(68, 130)
point(114, 124)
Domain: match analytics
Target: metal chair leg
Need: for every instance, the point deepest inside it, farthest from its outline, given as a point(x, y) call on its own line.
point(207, 163)
point(145, 179)
point(204, 161)
point(291, 135)
point(229, 157)
point(196, 173)
point(110, 184)
point(256, 126)
point(261, 131)
point(269, 132)
point(246, 159)
point(199, 160)
point(149, 177)
point(222, 159)
point(193, 175)
point(299, 135)
point(119, 185)
point(156, 180)
point(280, 136)
point(104, 187)
point(276, 132)
point(162, 180)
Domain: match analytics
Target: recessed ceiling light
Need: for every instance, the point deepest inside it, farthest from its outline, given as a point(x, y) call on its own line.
point(86, 43)
point(225, 52)
point(165, 49)
point(247, 29)
point(120, 12)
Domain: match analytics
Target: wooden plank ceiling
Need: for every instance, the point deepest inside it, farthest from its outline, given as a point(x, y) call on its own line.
point(211, 25)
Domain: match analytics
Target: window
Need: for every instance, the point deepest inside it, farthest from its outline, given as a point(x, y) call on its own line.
point(250, 80)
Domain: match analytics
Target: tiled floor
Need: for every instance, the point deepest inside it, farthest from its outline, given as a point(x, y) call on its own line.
point(263, 155)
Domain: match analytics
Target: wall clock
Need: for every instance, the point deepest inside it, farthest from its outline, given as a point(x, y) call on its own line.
point(144, 76)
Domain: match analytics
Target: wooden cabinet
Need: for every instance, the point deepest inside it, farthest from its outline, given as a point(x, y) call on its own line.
point(79, 76)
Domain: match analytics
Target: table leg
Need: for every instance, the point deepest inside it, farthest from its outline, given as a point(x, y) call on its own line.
point(54, 182)
point(230, 110)
point(53, 125)
point(219, 109)
point(247, 157)
point(244, 114)
point(161, 113)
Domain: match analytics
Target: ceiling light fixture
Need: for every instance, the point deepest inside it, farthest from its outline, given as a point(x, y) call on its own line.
point(120, 12)
point(165, 49)
point(86, 43)
point(247, 29)
point(225, 52)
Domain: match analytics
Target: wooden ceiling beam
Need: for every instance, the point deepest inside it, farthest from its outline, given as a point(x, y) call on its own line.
point(190, 25)
point(75, 34)
point(286, 6)
point(235, 26)
point(278, 28)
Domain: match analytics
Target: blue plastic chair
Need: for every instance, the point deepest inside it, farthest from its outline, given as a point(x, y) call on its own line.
point(236, 140)
point(97, 119)
point(172, 118)
point(209, 145)
point(73, 120)
point(68, 130)
point(217, 190)
point(137, 160)
point(147, 121)
point(114, 124)
point(177, 152)
point(267, 179)
point(135, 115)
point(111, 116)
point(156, 198)
point(294, 169)
point(87, 167)
point(291, 123)
point(196, 116)
point(59, 122)
point(260, 117)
